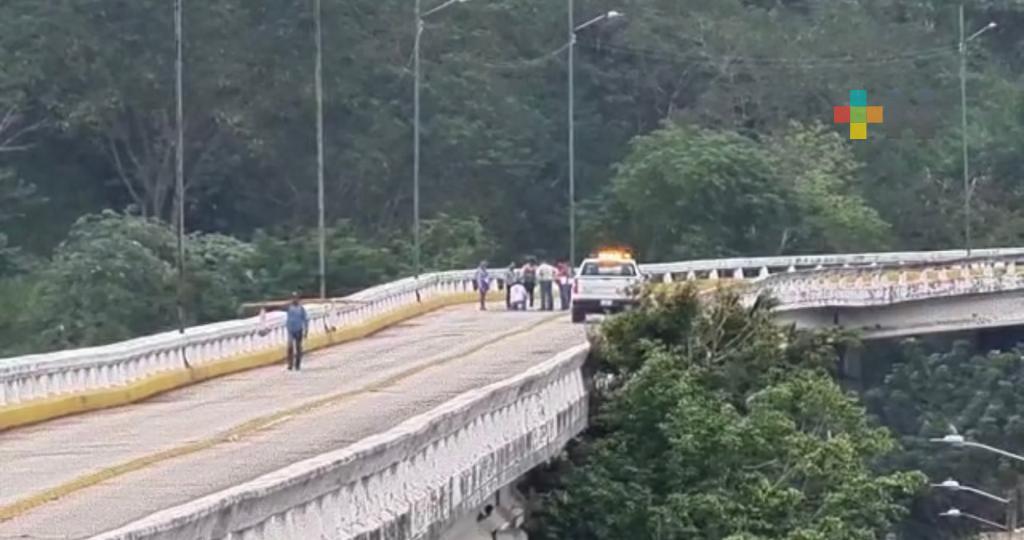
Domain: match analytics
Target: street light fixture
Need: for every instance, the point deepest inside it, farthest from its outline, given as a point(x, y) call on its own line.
point(957, 513)
point(609, 15)
point(963, 122)
point(953, 485)
point(959, 441)
point(573, 30)
point(420, 16)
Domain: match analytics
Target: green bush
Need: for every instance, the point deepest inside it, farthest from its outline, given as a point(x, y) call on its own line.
point(719, 424)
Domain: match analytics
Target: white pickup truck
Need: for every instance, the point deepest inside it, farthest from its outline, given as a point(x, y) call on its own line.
point(604, 284)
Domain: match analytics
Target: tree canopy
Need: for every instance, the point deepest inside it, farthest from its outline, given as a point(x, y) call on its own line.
point(86, 117)
point(719, 424)
point(927, 394)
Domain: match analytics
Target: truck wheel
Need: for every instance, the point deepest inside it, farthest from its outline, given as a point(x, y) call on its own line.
point(578, 316)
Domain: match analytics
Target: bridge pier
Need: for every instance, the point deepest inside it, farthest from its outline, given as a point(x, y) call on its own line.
point(851, 363)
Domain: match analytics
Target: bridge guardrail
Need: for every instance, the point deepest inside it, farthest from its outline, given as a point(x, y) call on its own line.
point(761, 267)
point(35, 377)
point(410, 482)
point(32, 378)
point(885, 286)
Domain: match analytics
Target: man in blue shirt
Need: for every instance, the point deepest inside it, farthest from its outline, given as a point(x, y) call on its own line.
point(298, 327)
point(482, 281)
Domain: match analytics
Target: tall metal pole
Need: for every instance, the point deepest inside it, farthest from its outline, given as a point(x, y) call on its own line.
point(320, 148)
point(179, 168)
point(416, 144)
point(572, 136)
point(963, 133)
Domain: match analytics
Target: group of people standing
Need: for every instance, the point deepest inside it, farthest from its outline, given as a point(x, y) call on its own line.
point(522, 282)
point(519, 284)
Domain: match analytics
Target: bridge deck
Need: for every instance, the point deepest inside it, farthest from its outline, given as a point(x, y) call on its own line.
point(115, 466)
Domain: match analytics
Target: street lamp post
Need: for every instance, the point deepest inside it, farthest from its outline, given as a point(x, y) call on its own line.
point(179, 167)
point(963, 123)
point(957, 513)
point(953, 485)
point(321, 226)
point(573, 30)
point(420, 16)
point(179, 161)
point(572, 135)
point(958, 441)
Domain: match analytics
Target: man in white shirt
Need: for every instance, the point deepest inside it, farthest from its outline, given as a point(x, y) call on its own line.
point(517, 297)
point(546, 278)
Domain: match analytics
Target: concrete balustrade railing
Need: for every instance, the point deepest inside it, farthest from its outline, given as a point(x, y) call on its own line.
point(885, 286)
point(409, 483)
point(761, 267)
point(32, 378)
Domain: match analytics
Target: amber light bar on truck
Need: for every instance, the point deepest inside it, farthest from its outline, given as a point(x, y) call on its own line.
point(610, 254)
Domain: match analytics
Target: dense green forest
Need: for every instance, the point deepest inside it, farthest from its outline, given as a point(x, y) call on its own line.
point(704, 129)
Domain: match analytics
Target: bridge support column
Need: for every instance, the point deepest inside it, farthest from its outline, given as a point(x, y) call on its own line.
point(853, 362)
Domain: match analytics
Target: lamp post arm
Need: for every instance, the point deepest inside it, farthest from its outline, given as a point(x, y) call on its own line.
point(985, 494)
point(984, 29)
point(995, 450)
point(442, 7)
point(591, 22)
point(979, 519)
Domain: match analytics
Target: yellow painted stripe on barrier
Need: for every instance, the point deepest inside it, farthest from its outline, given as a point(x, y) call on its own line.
point(241, 431)
point(41, 410)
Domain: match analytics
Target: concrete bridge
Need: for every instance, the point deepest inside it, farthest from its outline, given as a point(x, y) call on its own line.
point(411, 420)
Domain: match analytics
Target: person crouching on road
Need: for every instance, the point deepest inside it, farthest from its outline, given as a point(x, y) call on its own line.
point(517, 296)
point(483, 284)
point(297, 324)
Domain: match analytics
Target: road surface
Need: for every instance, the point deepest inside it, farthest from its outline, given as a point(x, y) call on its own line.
point(80, 476)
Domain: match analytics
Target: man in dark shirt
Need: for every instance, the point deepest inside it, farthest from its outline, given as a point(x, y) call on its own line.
point(529, 278)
